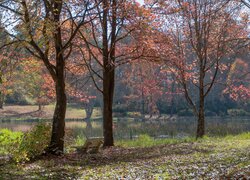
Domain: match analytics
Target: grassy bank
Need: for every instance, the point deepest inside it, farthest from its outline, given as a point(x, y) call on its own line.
point(17, 112)
point(145, 158)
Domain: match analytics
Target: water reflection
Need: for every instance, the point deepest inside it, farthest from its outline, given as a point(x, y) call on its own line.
point(125, 128)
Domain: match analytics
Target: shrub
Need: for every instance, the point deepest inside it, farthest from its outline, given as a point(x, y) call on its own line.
point(9, 140)
point(32, 143)
point(80, 140)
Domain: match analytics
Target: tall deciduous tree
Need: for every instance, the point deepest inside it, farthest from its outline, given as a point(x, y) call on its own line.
point(109, 43)
point(45, 29)
point(203, 34)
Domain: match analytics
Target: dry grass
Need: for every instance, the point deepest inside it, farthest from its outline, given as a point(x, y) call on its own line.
point(31, 111)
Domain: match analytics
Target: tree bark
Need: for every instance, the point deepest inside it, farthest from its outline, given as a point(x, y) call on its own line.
point(57, 139)
point(108, 72)
point(1, 95)
point(89, 111)
point(201, 120)
point(108, 92)
point(201, 115)
point(39, 107)
point(58, 129)
point(1, 100)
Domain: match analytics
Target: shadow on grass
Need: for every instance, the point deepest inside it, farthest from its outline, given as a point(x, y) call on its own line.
point(66, 166)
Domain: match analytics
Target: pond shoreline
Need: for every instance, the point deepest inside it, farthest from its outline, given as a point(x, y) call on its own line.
point(177, 118)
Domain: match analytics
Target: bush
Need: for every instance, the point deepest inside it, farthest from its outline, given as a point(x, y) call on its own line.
point(25, 146)
point(9, 140)
point(80, 140)
point(237, 112)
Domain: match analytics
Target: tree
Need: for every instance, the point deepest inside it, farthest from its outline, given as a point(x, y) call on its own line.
point(109, 42)
point(145, 82)
point(203, 35)
point(32, 80)
point(46, 30)
point(8, 61)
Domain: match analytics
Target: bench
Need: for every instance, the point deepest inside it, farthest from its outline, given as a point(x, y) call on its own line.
point(91, 145)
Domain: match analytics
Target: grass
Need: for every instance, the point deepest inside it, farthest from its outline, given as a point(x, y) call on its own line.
point(17, 112)
point(146, 158)
point(147, 141)
point(242, 136)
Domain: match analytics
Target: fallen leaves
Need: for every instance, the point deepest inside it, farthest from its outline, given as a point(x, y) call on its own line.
point(206, 159)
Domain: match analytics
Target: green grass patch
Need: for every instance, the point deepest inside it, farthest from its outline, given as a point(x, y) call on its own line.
point(242, 136)
point(147, 141)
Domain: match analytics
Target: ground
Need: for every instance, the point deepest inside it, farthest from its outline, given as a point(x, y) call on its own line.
point(210, 158)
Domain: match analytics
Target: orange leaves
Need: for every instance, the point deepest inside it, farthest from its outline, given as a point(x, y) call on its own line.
point(7, 66)
point(48, 87)
point(238, 81)
point(30, 65)
point(238, 93)
point(79, 96)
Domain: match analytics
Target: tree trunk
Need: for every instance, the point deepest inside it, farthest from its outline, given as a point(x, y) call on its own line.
point(201, 121)
point(57, 139)
point(108, 70)
point(142, 97)
point(108, 92)
point(39, 107)
point(1, 94)
point(89, 111)
point(88, 122)
point(143, 107)
point(201, 116)
point(1, 100)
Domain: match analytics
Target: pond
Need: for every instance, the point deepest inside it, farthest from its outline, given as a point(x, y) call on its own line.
point(128, 128)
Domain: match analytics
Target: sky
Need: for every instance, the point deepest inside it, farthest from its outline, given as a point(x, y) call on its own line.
point(140, 1)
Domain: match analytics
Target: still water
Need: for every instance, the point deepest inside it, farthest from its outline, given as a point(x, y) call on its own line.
point(127, 128)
